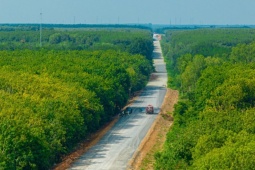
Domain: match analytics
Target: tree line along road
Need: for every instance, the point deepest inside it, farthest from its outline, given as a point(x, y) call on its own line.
point(118, 145)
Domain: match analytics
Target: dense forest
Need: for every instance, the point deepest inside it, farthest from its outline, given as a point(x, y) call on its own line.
point(134, 41)
point(54, 96)
point(214, 125)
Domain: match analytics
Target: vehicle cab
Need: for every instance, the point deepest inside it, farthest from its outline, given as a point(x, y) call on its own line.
point(149, 109)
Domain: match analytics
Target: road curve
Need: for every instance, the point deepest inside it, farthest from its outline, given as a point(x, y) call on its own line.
point(117, 147)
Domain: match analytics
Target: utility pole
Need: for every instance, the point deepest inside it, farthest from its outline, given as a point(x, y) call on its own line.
point(41, 30)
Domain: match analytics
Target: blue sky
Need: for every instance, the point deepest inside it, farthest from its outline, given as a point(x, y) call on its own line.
point(129, 11)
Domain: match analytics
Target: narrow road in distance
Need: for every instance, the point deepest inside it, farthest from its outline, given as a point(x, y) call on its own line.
point(117, 147)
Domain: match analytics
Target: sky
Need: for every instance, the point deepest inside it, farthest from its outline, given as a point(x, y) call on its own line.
point(174, 12)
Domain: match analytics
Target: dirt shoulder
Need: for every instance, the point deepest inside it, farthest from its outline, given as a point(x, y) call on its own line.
point(155, 138)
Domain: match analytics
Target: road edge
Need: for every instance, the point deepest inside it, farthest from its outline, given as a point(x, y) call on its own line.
point(84, 147)
point(139, 156)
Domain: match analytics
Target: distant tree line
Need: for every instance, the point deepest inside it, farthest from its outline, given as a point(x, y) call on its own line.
point(34, 27)
point(134, 41)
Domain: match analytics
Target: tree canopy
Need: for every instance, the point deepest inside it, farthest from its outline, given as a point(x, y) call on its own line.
point(53, 97)
point(214, 120)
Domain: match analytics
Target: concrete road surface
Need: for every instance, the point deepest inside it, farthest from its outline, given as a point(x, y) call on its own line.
point(116, 148)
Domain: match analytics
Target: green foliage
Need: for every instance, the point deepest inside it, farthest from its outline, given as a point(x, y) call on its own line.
point(52, 99)
point(207, 42)
point(237, 153)
point(243, 53)
point(133, 41)
point(214, 121)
